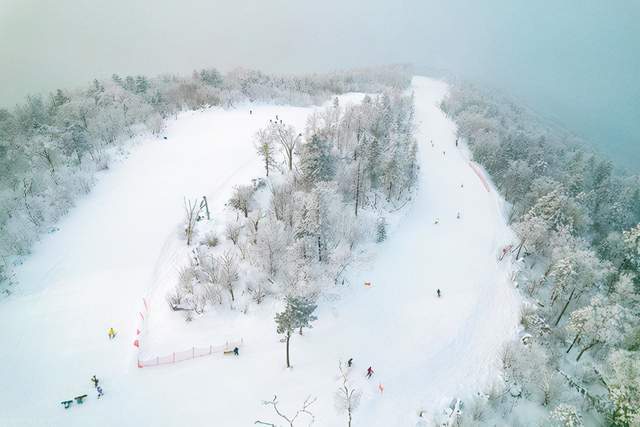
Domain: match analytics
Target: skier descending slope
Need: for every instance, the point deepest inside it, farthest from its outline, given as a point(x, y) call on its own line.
point(369, 372)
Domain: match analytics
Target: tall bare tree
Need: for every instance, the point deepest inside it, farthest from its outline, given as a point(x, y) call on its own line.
point(347, 397)
point(288, 138)
point(191, 214)
point(229, 272)
point(264, 143)
point(241, 198)
point(290, 419)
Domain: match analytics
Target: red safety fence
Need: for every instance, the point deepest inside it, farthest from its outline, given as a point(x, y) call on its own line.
point(480, 175)
point(192, 353)
point(505, 251)
point(141, 322)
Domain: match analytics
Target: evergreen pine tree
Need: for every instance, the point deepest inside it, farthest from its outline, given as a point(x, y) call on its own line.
point(141, 85)
point(298, 314)
point(381, 230)
point(316, 161)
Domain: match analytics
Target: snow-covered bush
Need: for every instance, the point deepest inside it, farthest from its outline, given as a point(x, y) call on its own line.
point(232, 232)
point(566, 416)
point(211, 239)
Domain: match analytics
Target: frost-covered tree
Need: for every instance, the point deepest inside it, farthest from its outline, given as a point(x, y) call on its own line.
point(271, 245)
point(304, 308)
point(265, 146)
point(192, 210)
point(229, 273)
point(208, 274)
point(558, 210)
point(288, 139)
point(622, 379)
point(381, 230)
point(316, 161)
point(242, 199)
point(517, 180)
point(526, 374)
point(283, 201)
point(211, 77)
point(572, 275)
point(533, 233)
point(599, 323)
point(565, 415)
point(316, 222)
point(232, 232)
point(631, 240)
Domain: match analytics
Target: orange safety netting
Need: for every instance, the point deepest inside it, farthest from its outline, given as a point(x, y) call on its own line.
point(192, 353)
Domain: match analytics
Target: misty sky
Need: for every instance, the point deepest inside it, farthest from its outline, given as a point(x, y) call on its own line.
point(577, 62)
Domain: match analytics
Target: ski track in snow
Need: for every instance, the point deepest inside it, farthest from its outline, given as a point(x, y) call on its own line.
point(119, 244)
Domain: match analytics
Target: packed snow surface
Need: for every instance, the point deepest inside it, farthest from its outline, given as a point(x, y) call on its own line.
point(121, 244)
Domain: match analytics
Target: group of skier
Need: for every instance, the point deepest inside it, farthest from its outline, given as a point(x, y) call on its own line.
point(111, 333)
point(437, 220)
point(369, 373)
point(95, 382)
point(80, 399)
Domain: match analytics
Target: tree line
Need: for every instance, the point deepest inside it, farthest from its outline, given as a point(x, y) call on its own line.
point(577, 225)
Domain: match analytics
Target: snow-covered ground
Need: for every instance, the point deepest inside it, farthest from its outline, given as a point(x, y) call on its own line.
point(120, 244)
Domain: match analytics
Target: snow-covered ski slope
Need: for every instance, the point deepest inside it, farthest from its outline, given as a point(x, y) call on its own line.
point(93, 272)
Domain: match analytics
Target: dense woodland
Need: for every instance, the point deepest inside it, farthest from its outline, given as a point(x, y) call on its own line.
point(52, 147)
point(578, 249)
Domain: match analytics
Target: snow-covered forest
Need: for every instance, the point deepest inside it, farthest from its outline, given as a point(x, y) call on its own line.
point(577, 223)
point(52, 147)
point(326, 189)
